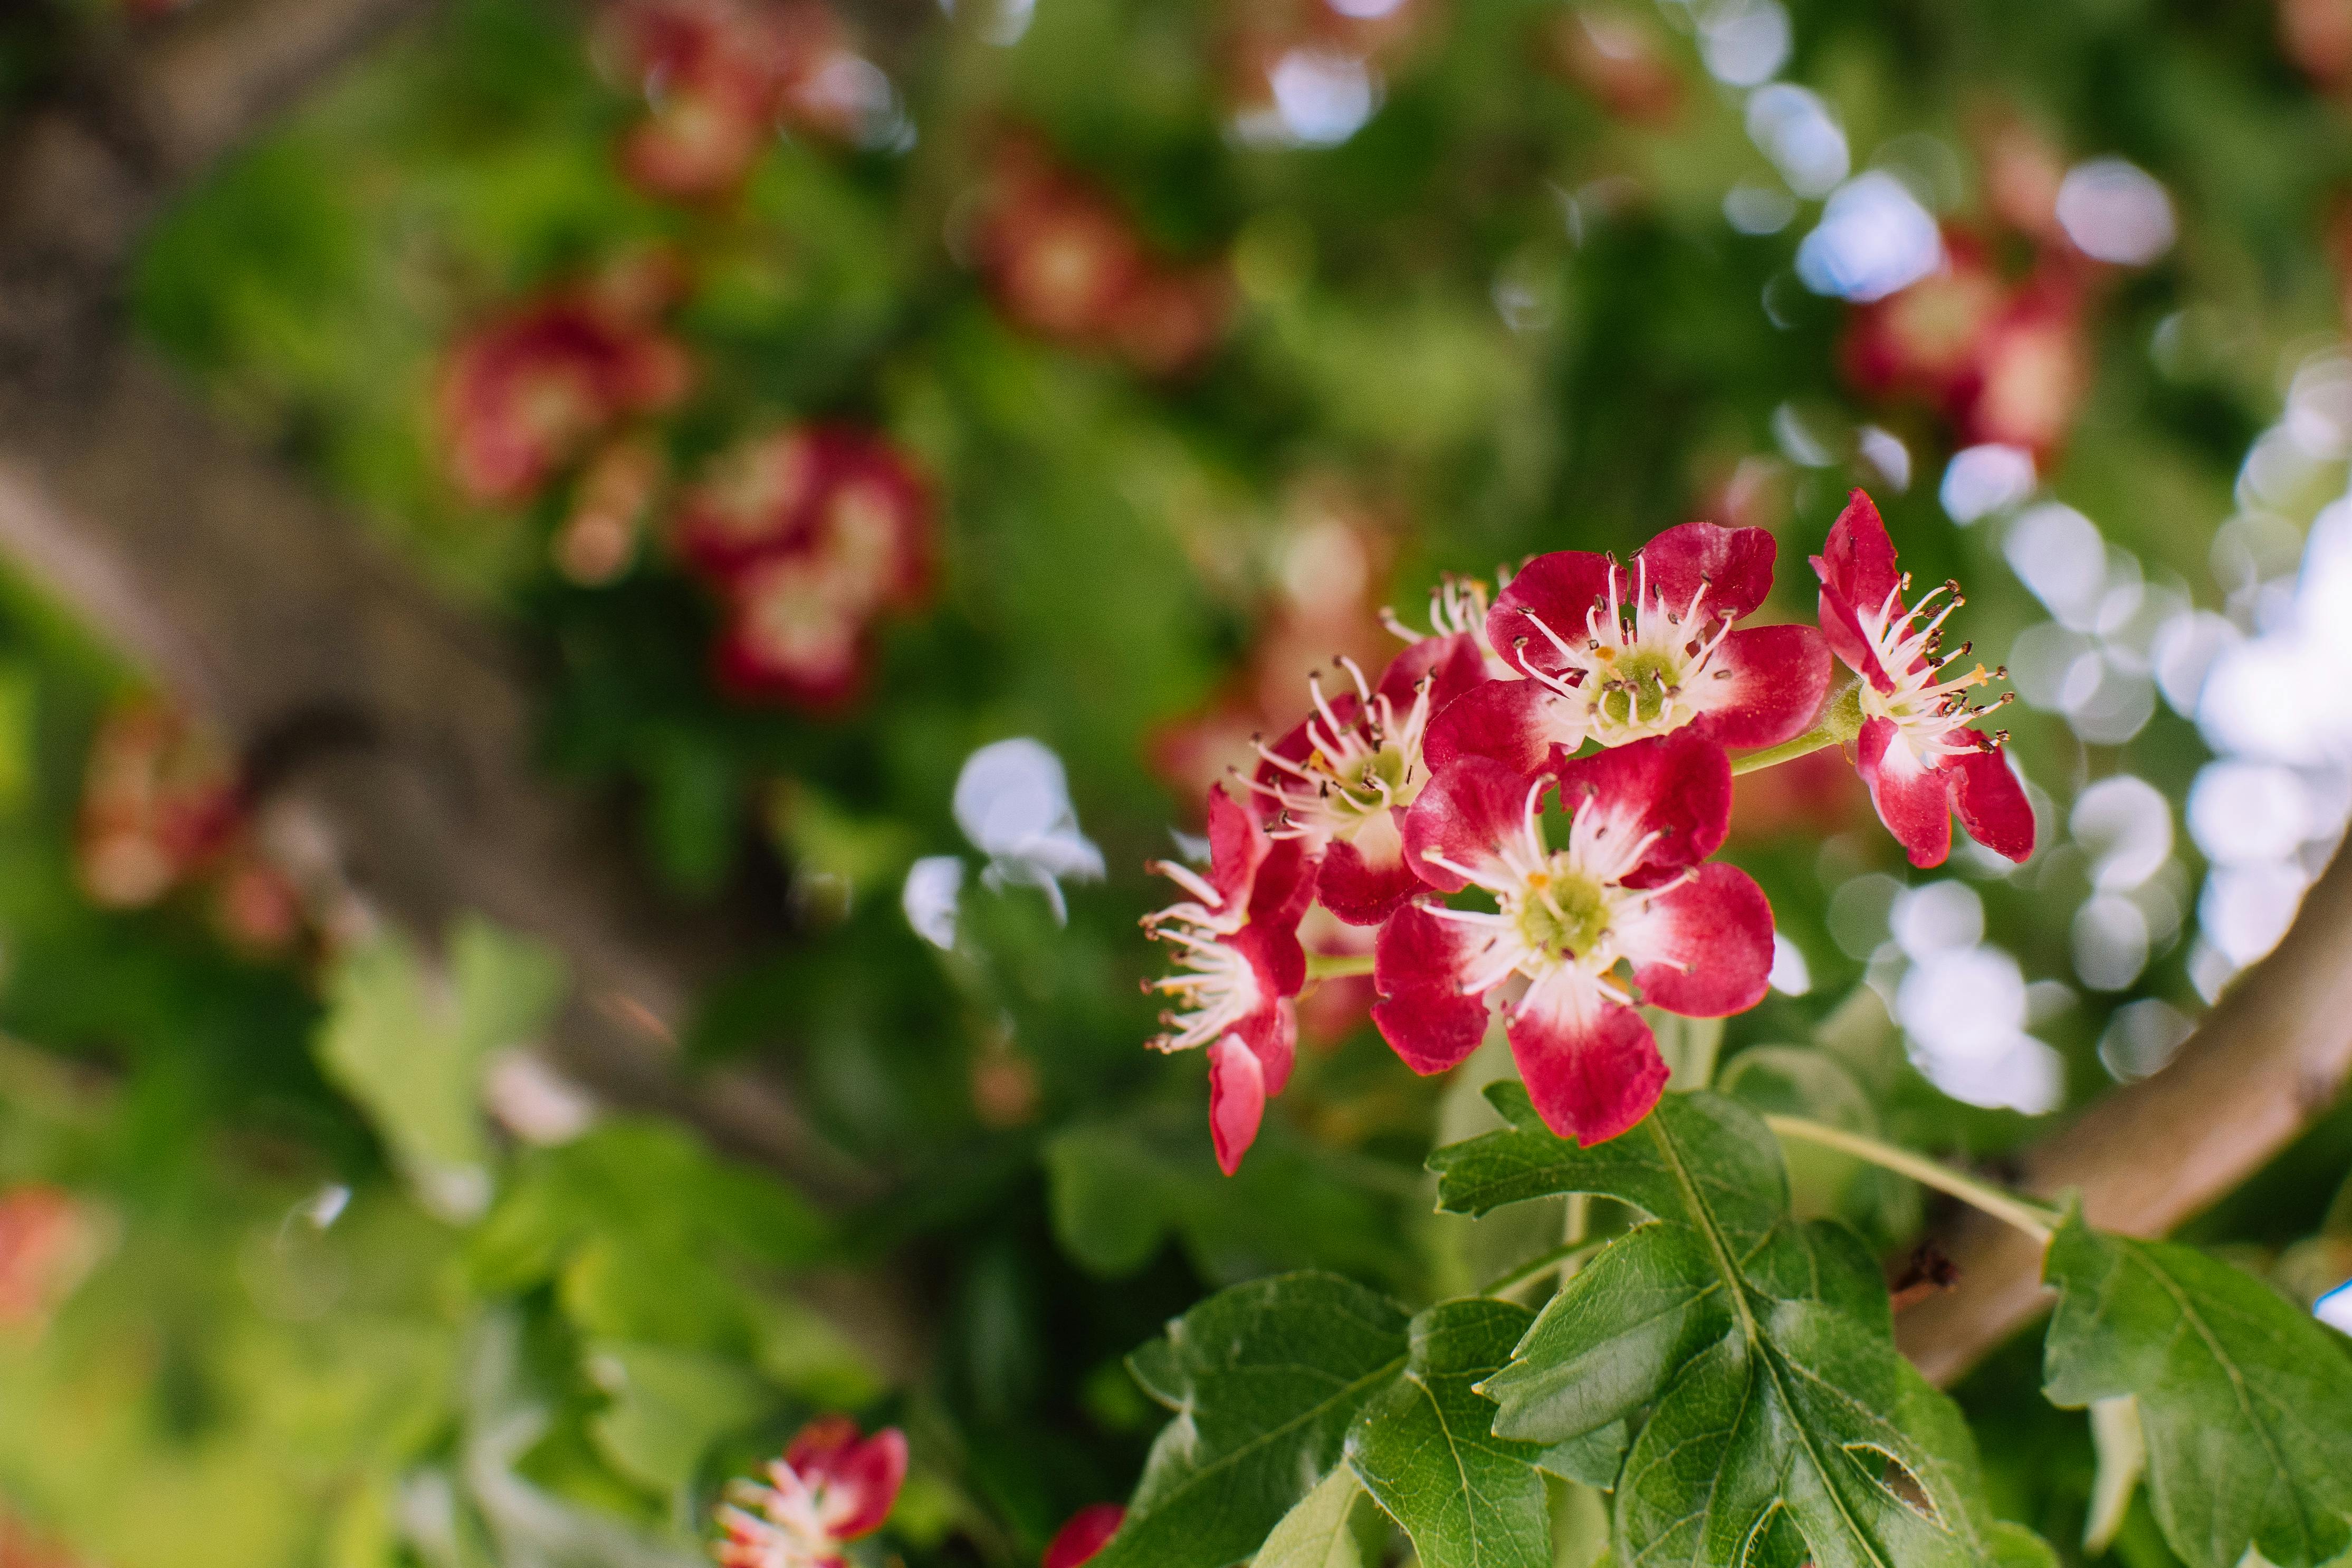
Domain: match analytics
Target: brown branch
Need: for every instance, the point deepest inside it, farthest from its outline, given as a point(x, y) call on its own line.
point(2271, 1058)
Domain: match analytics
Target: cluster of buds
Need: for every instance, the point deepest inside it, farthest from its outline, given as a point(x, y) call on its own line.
point(163, 807)
point(805, 534)
point(1561, 753)
point(721, 78)
point(833, 1485)
point(1063, 262)
point(534, 391)
point(2000, 360)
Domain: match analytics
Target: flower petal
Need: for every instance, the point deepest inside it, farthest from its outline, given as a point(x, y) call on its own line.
point(1237, 846)
point(1452, 664)
point(1088, 1531)
point(1763, 686)
point(1590, 1065)
point(1557, 589)
point(1913, 799)
point(868, 1472)
point(1704, 948)
point(1734, 565)
point(1273, 952)
point(1857, 562)
point(1285, 885)
point(1677, 786)
point(1841, 629)
point(1236, 1100)
point(1272, 1036)
point(1516, 723)
point(1364, 880)
point(1422, 1013)
point(1464, 816)
point(1992, 803)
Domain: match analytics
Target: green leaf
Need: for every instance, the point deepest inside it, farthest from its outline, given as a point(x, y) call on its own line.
point(2014, 1546)
point(1426, 1451)
point(1121, 1189)
point(2245, 1402)
point(412, 1050)
point(1322, 1532)
point(1783, 1424)
point(667, 1408)
point(1264, 1379)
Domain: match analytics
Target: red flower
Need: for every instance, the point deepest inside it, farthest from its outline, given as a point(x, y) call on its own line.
point(1339, 782)
point(719, 77)
point(1617, 652)
point(1627, 890)
point(47, 1242)
point(1088, 1531)
point(1236, 936)
point(160, 801)
point(832, 1487)
point(1065, 263)
point(526, 395)
point(1915, 749)
point(808, 534)
point(1999, 362)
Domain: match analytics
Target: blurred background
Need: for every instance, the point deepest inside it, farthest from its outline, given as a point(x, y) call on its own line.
point(517, 515)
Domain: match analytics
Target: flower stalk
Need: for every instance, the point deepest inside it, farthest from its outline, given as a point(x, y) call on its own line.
point(2031, 1218)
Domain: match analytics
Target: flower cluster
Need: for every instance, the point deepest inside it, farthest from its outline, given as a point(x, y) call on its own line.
point(2000, 360)
point(721, 78)
point(530, 393)
point(1063, 262)
point(163, 808)
point(833, 1485)
point(1523, 805)
point(805, 534)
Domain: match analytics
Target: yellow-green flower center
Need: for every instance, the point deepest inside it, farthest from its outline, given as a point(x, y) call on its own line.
point(1563, 912)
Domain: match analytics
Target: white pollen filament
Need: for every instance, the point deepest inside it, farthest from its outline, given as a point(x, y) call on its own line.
point(1930, 712)
point(1215, 987)
point(1457, 607)
point(1354, 772)
point(1638, 676)
point(1527, 879)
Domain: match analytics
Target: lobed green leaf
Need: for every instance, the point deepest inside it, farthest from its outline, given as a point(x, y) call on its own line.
point(1426, 1450)
point(2245, 1402)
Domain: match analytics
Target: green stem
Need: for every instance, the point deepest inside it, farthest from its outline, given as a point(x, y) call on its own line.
point(1812, 741)
point(1542, 1263)
point(1337, 965)
point(2030, 1217)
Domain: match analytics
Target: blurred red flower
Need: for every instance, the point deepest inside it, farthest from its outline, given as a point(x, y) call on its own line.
point(720, 78)
point(807, 534)
point(528, 393)
point(1065, 263)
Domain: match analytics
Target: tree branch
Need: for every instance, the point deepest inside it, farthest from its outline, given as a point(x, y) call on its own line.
point(2270, 1059)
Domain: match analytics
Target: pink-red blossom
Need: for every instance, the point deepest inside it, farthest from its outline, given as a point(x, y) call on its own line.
point(719, 79)
point(1339, 784)
point(1614, 906)
point(807, 535)
point(1235, 935)
point(1616, 652)
point(1063, 262)
point(1916, 748)
point(833, 1485)
point(527, 395)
